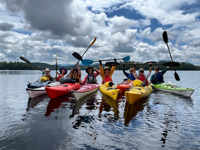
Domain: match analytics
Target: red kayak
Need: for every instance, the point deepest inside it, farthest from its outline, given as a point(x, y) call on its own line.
point(124, 86)
point(60, 90)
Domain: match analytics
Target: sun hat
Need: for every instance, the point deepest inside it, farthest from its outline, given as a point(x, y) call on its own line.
point(141, 69)
point(131, 69)
point(89, 68)
point(63, 69)
point(47, 69)
point(156, 67)
point(106, 67)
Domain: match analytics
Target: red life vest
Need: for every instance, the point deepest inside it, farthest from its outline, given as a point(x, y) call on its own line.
point(142, 78)
point(107, 79)
point(58, 78)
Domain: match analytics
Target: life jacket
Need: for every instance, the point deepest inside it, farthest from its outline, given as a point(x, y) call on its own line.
point(91, 78)
point(76, 77)
point(143, 78)
point(58, 78)
point(107, 78)
point(48, 77)
point(158, 78)
point(131, 76)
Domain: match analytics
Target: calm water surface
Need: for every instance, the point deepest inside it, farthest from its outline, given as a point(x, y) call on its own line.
point(162, 121)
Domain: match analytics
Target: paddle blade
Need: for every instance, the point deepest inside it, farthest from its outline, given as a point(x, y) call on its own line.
point(176, 76)
point(172, 64)
point(152, 62)
point(110, 64)
point(165, 37)
point(77, 56)
point(93, 41)
point(127, 58)
point(24, 59)
point(86, 62)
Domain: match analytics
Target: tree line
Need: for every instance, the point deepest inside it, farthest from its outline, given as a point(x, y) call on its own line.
point(24, 66)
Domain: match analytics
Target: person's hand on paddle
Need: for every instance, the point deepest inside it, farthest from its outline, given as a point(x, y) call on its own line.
point(134, 64)
point(123, 65)
point(100, 62)
point(150, 64)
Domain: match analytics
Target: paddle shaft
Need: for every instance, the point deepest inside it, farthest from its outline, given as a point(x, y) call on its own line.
point(27, 61)
point(83, 54)
point(169, 52)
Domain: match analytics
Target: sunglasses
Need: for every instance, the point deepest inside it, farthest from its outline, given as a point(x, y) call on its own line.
point(141, 71)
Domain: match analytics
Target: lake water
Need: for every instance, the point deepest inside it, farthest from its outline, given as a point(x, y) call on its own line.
point(162, 121)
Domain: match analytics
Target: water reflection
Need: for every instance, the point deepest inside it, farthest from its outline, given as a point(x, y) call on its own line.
point(56, 103)
point(131, 111)
point(106, 104)
point(32, 102)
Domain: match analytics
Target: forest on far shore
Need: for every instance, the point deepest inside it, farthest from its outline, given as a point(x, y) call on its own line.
point(24, 66)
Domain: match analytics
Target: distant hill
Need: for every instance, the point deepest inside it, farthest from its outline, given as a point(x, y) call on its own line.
point(24, 66)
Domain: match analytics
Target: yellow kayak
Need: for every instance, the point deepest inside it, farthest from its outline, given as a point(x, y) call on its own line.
point(110, 91)
point(137, 92)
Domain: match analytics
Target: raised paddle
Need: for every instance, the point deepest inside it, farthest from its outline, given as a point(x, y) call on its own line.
point(165, 38)
point(56, 65)
point(128, 64)
point(27, 61)
point(84, 53)
point(89, 62)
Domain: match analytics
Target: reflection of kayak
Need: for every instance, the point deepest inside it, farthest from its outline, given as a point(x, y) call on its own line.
point(81, 101)
point(32, 102)
point(85, 90)
point(57, 103)
point(173, 88)
point(112, 103)
point(112, 91)
point(136, 93)
point(124, 86)
point(34, 92)
point(61, 90)
point(131, 111)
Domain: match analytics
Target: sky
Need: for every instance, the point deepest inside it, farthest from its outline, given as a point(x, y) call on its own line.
point(38, 29)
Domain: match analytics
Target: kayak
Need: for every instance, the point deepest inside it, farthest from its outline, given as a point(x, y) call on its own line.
point(112, 91)
point(38, 84)
point(85, 90)
point(136, 93)
point(35, 92)
point(173, 88)
point(124, 86)
point(61, 90)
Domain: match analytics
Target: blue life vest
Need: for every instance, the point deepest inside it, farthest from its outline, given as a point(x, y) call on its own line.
point(131, 76)
point(91, 78)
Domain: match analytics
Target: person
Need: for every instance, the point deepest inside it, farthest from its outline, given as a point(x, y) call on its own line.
point(76, 74)
point(47, 74)
point(91, 76)
point(142, 76)
point(158, 78)
point(130, 75)
point(106, 73)
point(62, 73)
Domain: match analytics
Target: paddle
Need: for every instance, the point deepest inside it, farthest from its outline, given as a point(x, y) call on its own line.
point(89, 62)
point(165, 38)
point(27, 61)
point(128, 64)
point(56, 65)
point(84, 53)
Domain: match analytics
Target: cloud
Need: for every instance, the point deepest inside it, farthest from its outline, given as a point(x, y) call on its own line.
point(6, 26)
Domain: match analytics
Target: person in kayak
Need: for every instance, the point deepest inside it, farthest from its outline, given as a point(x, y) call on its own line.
point(129, 75)
point(76, 74)
point(158, 78)
point(142, 76)
point(62, 73)
point(47, 74)
point(91, 76)
point(106, 73)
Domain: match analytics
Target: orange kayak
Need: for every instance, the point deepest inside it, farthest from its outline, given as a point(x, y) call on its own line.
point(125, 85)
